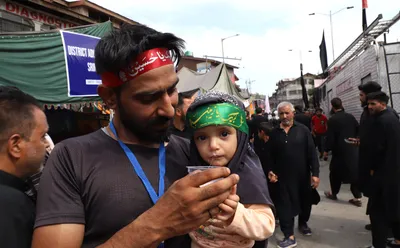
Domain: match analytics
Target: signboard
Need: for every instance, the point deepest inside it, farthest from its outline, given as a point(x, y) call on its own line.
point(341, 88)
point(82, 78)
point(34, 15)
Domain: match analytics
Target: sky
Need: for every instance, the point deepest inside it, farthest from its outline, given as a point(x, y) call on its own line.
point(267, 31)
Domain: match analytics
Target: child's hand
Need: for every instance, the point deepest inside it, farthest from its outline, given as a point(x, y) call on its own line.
point(228, 208)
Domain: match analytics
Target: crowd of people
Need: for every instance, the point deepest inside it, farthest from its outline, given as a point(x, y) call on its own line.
point(128, 185)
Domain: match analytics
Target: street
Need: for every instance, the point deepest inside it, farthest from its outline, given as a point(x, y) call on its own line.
point(334, 223)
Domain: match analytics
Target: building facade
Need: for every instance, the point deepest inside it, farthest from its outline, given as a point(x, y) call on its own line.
point(44, 15)
point(203, 65)
point(289, 90)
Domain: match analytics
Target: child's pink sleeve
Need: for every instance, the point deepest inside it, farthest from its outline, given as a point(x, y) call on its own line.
point(257, 222)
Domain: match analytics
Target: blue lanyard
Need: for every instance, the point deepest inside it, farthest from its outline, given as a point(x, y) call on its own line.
point(139, 171)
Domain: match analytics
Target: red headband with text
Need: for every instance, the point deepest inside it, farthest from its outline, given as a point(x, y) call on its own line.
point(143, 63)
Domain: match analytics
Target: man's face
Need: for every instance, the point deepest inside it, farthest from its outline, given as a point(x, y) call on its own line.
point(146, 104)
point(286, 115)
point(262, 135)
point(185, 106)
point(216, 144)
point(307, 113)
point(363, 99)
point(33, 148)
point(375, 107)
point(318, 113)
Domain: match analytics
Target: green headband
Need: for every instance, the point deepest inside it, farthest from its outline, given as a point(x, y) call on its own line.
point(225, 114)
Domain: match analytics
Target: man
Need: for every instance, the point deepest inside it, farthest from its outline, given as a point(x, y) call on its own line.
point(254, 123)
point(293, 160)
point(33, 181)
point(264, 131)
point(343, 167)
point(274, 119)
point(364, 138)
point(302, 117)
point(23, 127)
point(319, 128)
point(256, 120)
point(105, 189)
point(177, 126)
point(384, 200)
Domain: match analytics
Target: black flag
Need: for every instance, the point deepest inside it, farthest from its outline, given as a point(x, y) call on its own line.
point(303, 88)
point(323, 55)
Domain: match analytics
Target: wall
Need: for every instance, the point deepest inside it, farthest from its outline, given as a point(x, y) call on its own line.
point(39, 18)
point(345, 83)
point(393, 59)
point(192, 65)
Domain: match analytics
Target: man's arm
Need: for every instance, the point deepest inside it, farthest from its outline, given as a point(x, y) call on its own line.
point(330, 137)
point(312, 156)
point(181, 209)
point(61, 235)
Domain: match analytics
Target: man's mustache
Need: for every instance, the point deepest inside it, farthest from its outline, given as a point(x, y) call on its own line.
point(158, 121)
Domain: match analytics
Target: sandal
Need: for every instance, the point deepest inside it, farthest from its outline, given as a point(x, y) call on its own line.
point(355, 202)
point(330, 196)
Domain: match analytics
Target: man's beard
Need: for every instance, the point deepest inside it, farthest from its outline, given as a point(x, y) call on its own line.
point(286, 122)
point(144, 131)
point(364, 104)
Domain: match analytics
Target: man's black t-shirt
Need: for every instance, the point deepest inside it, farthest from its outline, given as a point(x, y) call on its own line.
point(17, 213)
point(89, 180)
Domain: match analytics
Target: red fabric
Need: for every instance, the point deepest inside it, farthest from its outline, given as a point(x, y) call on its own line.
point(143, 63)
point(364, 4)
point(110, 79)
point(319, 124)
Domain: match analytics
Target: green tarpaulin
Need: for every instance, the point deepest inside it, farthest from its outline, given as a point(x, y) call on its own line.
point(35, 63)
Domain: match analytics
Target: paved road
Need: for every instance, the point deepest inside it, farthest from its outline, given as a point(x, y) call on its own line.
point(335, 224)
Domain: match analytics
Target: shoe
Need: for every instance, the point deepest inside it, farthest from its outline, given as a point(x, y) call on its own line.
point(368, 227)
point(330, 196)
point(305, 230)
point(287, 243)
point(356, 202)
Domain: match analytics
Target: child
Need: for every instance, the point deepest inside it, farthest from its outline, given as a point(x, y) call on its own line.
point(221, 139)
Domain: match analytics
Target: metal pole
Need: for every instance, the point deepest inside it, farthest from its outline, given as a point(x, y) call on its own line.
point(388, 76)
point(333, 47)
point(223, 55)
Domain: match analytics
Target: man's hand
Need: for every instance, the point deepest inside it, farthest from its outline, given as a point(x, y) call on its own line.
point(228, 208)
point(355, 141)
point(272, 177)
point(185, 206)
point(315, 182)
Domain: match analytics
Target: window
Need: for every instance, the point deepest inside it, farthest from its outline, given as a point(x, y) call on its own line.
point(366, 79)
point(324, 92)
point(14, 23)
point(292, 92)
point(46, 27)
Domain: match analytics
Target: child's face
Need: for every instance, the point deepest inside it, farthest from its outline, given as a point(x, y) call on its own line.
point(216, 144)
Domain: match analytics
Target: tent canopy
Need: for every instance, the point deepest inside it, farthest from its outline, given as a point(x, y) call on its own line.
point(216, 79)
point(35, 63)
